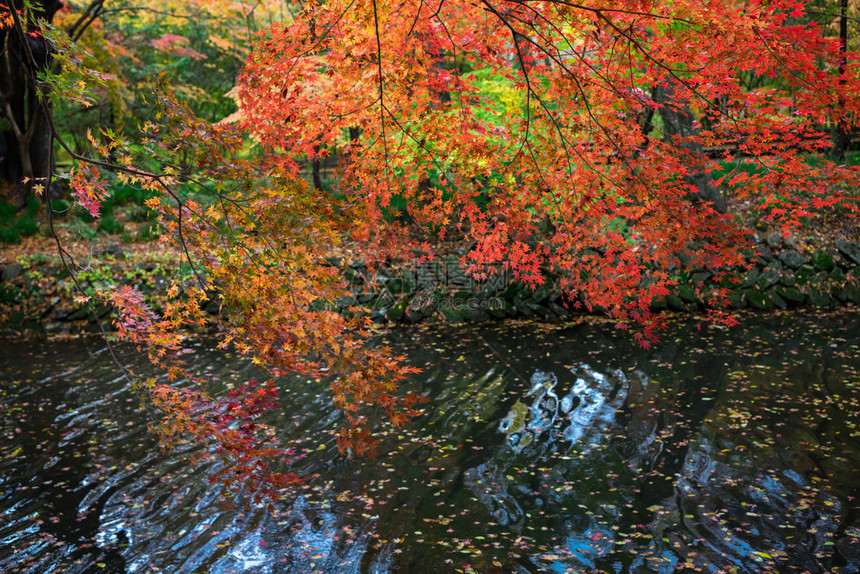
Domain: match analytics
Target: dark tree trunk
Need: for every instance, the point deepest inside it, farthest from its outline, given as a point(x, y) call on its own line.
point(26, 133)
point(41, 147)
point(678, 122)
point(842, 135)
point(316, 170)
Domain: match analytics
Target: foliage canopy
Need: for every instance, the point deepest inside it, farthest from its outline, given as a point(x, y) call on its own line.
point(581, 139)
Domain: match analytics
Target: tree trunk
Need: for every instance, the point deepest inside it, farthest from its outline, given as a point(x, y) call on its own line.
point(316, 169)
point(28, 157)
point(842, 136)
point(41, 147)
point(678, 122)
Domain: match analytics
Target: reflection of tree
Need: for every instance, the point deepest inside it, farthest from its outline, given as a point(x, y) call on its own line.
point(673, 463)
point(691, 407)
point(579, 441)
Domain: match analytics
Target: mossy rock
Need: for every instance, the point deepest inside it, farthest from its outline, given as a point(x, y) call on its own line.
point(451, 314)
point(768, 278)
point(777, 265)
point(101, 311)
point(822, 260)
point(787, 279)
point(385, 300)
point(658, 304)
point(8, 294)
point(675, 303)
point(397, 312)
point(11, 271)
point(78, 314)
point(792, 259)
point(749, 279)
point(686, 293)
point(59, 314)
point(540, 294)
point(837, 275)
point(474, 315)
point(496, 309)
point(366, 297)
point(774, 240)
point(354, 276)
point(700, 278)
point(758, 300)
point(460, 298)
point(513, 289)
point(818, 298)
point(454, 274)
point(559, 310)
point(395, 286)
point(493, 284)
point(790, 294)
point(729, 281)
point(429, 304)
point(413, 315)
point(214, 307)
point(804, 274)
point(763, 254)
point(849, 250)
point(381, 278)
point(821, 278)
point(851, 292)
point(557, 296)
point(522, 307)
point(541, 311)
point(737, 300)
point(778, 301)
point(347, 301)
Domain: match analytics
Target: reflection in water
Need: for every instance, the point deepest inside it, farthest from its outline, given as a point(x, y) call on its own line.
point(689, 497)
point(587, 410)
point(717, 451)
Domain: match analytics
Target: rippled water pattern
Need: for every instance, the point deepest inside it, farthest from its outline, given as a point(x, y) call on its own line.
point(541, 450)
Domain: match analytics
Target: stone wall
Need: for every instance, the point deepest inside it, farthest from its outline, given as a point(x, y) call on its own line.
point(781, 276)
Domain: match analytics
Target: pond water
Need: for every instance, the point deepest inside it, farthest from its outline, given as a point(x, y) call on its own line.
point(542, 449)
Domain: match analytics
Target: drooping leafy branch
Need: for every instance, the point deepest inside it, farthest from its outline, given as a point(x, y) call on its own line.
point(257, 238)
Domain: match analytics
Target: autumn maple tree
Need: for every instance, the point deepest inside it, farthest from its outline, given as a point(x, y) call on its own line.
point(532, 127)
point(577, 139)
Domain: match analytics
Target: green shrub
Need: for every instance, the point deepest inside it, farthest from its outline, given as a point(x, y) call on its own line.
point(60, 206)
point(148, 232)
point(15, 224)
point(28, 226)
point(9, 235)
point(107, 224)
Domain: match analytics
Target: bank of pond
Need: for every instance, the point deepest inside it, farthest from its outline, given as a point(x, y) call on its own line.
point(41, 298)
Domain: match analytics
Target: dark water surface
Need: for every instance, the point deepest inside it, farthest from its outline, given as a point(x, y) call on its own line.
point(542, 449)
